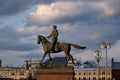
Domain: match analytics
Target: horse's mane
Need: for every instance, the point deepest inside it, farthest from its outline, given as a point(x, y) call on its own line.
point(43, 38)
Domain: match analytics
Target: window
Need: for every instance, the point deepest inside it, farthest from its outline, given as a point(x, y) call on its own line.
point(22, 79)
point(12, 73)
point(89, 73)
point(21, 73)
point(84, 73)
point(100, 79)
point(94, 73)
point(103, 73)
point(109, 78)
point(99, 73)
point(89, 78)
point(79, 73)
point(94, 78)
point(84, 78)
point(103, 78)
point(75, 78)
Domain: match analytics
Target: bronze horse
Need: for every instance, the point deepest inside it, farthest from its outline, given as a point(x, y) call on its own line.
point(66, 47)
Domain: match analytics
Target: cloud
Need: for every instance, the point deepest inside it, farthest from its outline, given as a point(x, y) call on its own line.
point(31, 55)
point(46, 14)
point(106, 10)
point(84, 56)
point(13, 7)
point(69, 11)
point(109, 9)
point(10, 40)
point(11, 58)
point(32, 30)
point(83, 22)
point(113, 52)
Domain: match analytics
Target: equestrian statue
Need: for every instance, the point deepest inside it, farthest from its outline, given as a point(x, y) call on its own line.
point(56, 47)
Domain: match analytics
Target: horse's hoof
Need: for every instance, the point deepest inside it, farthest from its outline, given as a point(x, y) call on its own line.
point(65, 64)
point(41, 64)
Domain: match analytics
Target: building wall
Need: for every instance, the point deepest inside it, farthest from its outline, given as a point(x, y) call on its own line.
point(115, 70)
point(116, 74)
point(19, 74)
point(13, 73)
point(92, 74)
point(4, 73)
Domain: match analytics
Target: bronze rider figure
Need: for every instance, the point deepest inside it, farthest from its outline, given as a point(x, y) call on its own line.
point(54, 36)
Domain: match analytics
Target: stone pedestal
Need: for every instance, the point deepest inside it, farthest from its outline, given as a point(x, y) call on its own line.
point(55, 73)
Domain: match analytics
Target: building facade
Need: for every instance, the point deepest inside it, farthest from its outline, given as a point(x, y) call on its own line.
point(91, 73)
point(115, 70)
point(31, 66)
point(14, 73)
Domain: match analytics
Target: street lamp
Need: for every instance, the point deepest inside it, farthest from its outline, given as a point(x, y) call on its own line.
point(97, 55)
point(105, 45)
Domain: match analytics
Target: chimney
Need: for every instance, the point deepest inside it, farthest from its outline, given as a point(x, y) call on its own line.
point(112, 63)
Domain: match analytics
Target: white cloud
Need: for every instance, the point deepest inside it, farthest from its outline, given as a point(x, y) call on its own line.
point(114, 51)
point(107, 11)
point(50, 13)
point(32, 30)
point(87, 55)
point(47, 13)
point(95, 36)
point(66, 27)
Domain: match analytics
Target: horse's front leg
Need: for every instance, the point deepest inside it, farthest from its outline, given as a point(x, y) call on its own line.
point(43, 58)
point(50, 58)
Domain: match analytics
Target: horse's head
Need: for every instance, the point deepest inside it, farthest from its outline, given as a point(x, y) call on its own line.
point(42, 39)
point(39, 39)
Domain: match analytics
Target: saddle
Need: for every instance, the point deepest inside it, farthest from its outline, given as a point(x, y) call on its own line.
point(56, 47)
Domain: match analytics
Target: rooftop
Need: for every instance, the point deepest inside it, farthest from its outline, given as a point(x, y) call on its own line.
point(116, 65)
point(85, 69)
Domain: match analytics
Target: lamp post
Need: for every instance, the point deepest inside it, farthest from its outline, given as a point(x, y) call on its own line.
point(97, 55)
point(105, 45)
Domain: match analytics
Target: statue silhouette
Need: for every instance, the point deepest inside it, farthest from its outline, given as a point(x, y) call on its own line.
point(58, 47)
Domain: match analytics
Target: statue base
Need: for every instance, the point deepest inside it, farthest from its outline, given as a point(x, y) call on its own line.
point(55, 73)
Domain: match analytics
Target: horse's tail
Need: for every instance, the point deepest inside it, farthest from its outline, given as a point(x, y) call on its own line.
point(77, 46)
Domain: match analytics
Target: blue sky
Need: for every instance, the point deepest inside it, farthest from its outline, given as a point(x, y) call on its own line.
point(83, 22)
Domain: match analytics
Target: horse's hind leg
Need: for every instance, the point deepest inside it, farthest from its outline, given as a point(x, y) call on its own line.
point(68, 58)
point(67, 52)
point(72, 59)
